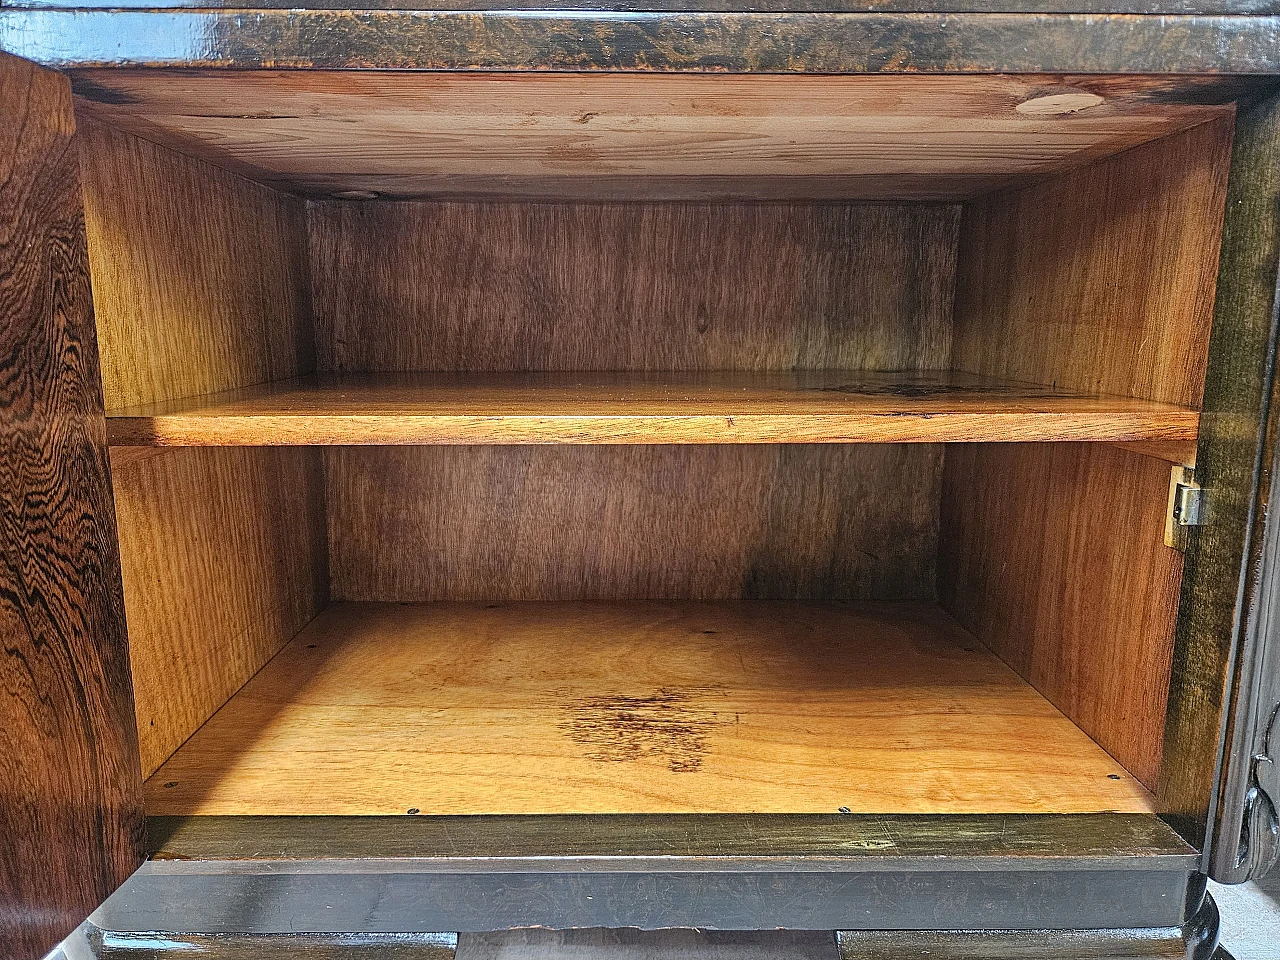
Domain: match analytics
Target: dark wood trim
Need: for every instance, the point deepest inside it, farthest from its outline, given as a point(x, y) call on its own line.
point(1249, 298)
point(629, 41)
point(1195, 939)
point(1165, 943)
point(1050, 839)
point(1233, 459)
point(1158, 7)
point(71, 801)
point(476, 874)
point(272, 946)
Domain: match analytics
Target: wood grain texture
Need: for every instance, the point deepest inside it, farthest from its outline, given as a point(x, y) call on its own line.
point(223, 554)
point(1054, 556)
point(1181, 452)
point(613, 708)
point(1108, 841)
point(619, 135)
point(1099, 280)
point(504, 286)
point(641, 522)
point(200, 277)
point(70, 801)
point(201, 284)
point(807, 407)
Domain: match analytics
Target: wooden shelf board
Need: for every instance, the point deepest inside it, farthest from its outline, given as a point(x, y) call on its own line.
point(800, 407)
point(641, 707)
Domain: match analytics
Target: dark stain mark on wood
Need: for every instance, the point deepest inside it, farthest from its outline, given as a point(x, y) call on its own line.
point(670, 725)
point(940, 389)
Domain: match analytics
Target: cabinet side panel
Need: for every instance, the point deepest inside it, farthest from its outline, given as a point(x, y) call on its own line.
point(643, 286)
point(70, 800)
point(1054, 556)
point(1099, 279)
point(647, 522)
point(224, 562)
point(200, 277)
point(201, 285)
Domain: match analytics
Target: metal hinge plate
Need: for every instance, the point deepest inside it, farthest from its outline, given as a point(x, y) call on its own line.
point(1186, 507)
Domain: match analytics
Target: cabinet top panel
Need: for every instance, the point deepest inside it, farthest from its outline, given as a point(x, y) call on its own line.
point(1088, 38)
point(635, 137)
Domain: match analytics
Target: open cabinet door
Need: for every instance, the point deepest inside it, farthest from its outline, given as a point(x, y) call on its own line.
point(1219, 785)
point(70, 783)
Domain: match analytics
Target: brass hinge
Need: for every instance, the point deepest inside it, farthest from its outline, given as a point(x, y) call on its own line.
point(1186, 507)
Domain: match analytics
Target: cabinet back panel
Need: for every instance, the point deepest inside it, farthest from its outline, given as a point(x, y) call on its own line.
point(661, 286)
point(199, 276)
point(648, 522)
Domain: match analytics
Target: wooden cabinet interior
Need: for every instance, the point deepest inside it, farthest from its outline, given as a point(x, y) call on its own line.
point(576, 364)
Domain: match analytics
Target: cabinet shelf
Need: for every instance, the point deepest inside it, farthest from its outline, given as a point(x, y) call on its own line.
point(638, 707)
point(801, 407)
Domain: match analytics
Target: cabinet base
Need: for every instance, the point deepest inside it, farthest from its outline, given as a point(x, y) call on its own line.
point(629, 944)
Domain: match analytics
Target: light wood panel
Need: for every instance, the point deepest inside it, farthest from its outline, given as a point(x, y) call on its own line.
point(639, 522)
point(1102, 279)
point(70, 793)
point(200, 277)
point(638, 708)
point(1181, 452)
point(807, 407)
point(616, 135)
point(506, 286)
point(1054, 556)
point(224, 562)
point(200, 281)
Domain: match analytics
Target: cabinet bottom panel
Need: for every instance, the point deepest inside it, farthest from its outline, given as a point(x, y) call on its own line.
point(638, 708)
